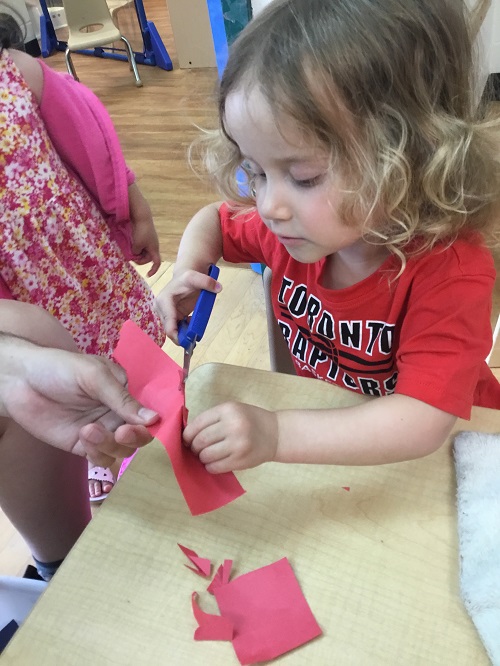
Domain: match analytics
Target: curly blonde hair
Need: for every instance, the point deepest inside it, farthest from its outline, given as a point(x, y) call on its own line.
point(389, 88)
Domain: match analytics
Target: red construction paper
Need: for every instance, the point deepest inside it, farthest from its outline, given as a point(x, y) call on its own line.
point(221, 577)
point(269, 612)
point(211, 627)
point(346, 488)
point(202, 564)
point(153, 379)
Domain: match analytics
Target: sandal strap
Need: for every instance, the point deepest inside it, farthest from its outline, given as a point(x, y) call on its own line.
point(101, 474)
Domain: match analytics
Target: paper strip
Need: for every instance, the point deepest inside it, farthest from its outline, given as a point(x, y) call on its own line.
point(153, 379)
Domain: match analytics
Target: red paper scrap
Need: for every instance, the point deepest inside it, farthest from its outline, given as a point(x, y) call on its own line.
point(269, 612)
point(202, 565)
point(153, 379)
point(221, 577)
point(211, 627)
point(348, 488)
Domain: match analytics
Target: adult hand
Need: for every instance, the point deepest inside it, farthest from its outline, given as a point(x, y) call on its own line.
point(233, 436)
point(75, 402)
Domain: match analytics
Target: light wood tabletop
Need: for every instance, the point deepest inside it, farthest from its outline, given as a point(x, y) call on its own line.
point(378, 563)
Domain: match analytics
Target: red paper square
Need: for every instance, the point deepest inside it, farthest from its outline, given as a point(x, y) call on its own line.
point(269, 612)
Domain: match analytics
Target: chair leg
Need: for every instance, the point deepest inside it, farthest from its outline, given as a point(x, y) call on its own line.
point(133, 64)
point(69, 65)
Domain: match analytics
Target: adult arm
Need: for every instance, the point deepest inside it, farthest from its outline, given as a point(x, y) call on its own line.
point(75, 402)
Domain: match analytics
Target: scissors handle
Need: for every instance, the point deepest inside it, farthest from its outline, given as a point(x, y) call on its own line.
point(191, 330)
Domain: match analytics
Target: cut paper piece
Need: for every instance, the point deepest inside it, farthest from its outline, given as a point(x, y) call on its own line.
point(269, 612)
point(153, 379)
point(211, 627)
point(221, 577)
point(348, 488)
point(125, 463)
point(202, 564)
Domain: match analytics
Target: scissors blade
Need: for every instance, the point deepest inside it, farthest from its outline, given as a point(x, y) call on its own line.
point(191, 330)
point(188, 352)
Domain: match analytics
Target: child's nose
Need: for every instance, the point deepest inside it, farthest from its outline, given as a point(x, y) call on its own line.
point(273, 203)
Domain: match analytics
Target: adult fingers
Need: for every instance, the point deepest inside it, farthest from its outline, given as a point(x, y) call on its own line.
point(106, 386)
point(95, 444)
point(132, 436)
point(103, 447)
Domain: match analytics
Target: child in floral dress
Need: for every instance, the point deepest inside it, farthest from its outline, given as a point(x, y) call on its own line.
point(71, 215)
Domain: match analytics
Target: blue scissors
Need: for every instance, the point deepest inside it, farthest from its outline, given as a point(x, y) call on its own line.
point(191, 330)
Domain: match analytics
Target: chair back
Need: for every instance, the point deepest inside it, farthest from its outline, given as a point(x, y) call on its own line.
point(279, 354)
point(82, 13)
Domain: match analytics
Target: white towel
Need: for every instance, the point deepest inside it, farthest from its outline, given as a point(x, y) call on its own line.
point(477, 462)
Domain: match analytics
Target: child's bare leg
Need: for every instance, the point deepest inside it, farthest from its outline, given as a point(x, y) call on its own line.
point(43, 492)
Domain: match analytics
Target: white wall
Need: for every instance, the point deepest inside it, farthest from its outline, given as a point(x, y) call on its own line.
point(21, 13)
point(491, 36)
point(257, 5)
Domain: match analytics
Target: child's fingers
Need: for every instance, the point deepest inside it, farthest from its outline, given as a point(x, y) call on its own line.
point(165, 309)
point(201, 432)
point(220, 466)
point(214, 453)
point(198, 281)
point(141, 258)
point(156, 259)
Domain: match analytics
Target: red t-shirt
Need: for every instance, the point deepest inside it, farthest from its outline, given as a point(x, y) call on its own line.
point(425, 334)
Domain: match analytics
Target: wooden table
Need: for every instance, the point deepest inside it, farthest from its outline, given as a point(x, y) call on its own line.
point(378, 564)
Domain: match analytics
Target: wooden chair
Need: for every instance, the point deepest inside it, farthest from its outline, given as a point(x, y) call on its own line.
point(279, 354)
point(82, 14)
point(494, 357)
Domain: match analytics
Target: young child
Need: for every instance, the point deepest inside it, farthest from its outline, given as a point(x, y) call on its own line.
point(71, 214)
point(374, 185)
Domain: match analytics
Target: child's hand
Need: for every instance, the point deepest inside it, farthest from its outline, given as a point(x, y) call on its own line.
point(178, 298)
point(145, 244)
point(233, 436)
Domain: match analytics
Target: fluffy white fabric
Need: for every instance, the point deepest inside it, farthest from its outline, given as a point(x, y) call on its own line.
point(477, 462)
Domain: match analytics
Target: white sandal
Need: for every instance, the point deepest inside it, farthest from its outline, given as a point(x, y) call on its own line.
point(100, 474)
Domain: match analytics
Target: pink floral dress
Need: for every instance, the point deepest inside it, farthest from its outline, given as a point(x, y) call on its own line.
point(55, 246)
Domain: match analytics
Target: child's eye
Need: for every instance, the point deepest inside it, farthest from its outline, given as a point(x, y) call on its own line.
point(308, 182)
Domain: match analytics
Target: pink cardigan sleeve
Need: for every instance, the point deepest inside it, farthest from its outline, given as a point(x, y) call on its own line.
point(83, 134)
